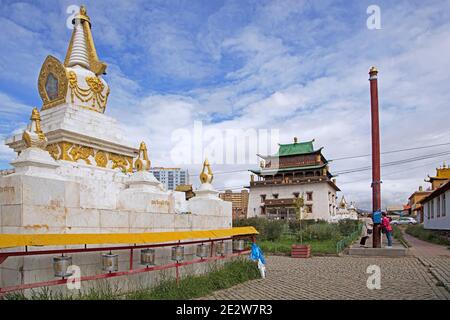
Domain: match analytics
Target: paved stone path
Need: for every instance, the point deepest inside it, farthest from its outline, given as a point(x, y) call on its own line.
point(422, 248)
point(434, 257)
point(339, 278)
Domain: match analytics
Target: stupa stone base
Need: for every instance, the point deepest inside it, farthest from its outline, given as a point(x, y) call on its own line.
point(66, 197)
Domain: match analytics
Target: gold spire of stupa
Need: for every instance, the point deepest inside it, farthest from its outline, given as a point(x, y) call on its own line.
point(206, 176)
point(81, 49)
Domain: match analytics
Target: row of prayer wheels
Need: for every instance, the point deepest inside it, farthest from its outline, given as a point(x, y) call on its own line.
point(110, 261)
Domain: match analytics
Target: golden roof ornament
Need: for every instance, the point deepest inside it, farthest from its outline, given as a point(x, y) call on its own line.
point(34, 137)
point(343, 203)
point(81, 49)
point(206, 176)
point(262, 164)
point(142, 162)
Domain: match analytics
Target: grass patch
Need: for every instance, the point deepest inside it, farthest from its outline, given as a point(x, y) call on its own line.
point(102, 291)
point(232, 273)
point(398, 234)
point(427, 235)
point(283, 246)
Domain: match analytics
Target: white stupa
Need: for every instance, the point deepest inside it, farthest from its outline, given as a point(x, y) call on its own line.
point(76, 173)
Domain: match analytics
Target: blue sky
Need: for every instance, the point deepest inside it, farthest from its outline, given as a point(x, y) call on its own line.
point(297, 66)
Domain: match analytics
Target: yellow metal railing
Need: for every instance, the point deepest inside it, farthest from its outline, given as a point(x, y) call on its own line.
point(21, 240)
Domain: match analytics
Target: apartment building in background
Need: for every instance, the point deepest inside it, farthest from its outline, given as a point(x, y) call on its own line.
point(171, 177)
point(239, 202)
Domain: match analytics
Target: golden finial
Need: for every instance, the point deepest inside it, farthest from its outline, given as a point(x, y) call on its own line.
point(35, 137)
point(343, 203)
point(373, 70)
point(206, 176)
point(82, 15)
point(142, 162)
point(95, 65)
point(35, 115)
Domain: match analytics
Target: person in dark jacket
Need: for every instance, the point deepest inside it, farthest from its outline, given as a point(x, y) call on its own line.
point(366, 231)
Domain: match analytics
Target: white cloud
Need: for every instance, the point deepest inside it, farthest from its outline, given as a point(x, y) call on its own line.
point(9, 106)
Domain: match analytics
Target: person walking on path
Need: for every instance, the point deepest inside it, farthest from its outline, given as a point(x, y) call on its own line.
point(366, 231)
point(386, 228)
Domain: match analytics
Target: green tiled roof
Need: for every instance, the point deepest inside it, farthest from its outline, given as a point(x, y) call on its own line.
point(295, 148)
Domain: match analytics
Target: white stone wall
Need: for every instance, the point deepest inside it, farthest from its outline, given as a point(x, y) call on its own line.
point(77, 198)
point(87, 199)
point(321, 202)
point(432, 221)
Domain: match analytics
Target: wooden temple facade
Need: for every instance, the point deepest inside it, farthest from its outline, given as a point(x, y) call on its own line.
point(296, 170)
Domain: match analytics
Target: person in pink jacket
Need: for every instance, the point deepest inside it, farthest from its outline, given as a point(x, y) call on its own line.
point(387, 229)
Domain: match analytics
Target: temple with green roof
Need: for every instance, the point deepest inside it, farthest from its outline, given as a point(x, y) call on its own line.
point(296, 170)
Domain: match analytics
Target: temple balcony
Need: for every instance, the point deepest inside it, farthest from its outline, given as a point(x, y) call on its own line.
point(279, 202)
point(288, 181)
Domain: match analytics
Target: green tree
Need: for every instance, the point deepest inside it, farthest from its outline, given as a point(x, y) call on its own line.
point(299, 204)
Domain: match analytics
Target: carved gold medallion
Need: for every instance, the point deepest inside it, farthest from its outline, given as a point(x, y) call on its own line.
point(52, 83)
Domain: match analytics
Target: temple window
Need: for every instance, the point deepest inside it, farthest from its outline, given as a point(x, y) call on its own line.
point(432, 208)
point(438, 207)
point(444, 206)
point(309, 196)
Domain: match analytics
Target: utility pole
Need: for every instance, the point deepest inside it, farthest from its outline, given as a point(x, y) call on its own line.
point(376, 176)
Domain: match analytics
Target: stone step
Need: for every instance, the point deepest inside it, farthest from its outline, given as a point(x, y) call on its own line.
point(395, 251)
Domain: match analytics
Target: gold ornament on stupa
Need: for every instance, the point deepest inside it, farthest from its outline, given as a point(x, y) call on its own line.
point(206, 176)
point(77, 80)
point(94, 64)
point(142, 162)
point(34, 137)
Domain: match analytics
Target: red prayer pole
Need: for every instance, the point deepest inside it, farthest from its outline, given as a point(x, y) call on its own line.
point(376, 179)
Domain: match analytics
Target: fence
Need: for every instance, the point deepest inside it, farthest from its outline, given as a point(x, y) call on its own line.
point(343, 243)
point(142, 241)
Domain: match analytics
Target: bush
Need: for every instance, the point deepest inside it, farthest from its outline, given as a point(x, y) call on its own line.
point(258, 223)
point(296, 226)
point(320, 231)
point(347, 226)
point(273, 230)
point(268, 229)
